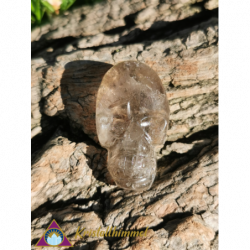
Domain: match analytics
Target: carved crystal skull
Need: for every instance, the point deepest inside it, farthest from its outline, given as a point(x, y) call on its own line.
point(132, 115)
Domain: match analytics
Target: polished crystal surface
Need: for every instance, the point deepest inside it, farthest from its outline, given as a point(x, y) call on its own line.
point(132, 115)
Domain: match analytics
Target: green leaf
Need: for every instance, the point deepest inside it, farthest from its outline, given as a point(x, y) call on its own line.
point(48, 6)
point(32, 6)
point(66, 4)
point(33, 19)
point(70, 2)
point(37, 10)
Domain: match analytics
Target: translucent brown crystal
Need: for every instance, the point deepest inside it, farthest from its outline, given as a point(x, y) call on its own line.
point(132, 115)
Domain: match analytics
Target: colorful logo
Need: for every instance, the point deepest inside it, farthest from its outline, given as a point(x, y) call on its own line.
point(53, 237)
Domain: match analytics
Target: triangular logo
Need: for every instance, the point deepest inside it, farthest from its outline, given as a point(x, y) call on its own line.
point(53, 237)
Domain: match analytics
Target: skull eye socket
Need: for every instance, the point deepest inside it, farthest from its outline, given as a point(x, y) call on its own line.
point(120, 119)
point(158, 125)
point(157, 128)
point(119, 125)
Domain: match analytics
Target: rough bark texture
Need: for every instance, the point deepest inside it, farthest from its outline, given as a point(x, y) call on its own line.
point(70, 181)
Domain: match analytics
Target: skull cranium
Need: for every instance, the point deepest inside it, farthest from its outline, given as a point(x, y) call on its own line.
point(132, 115)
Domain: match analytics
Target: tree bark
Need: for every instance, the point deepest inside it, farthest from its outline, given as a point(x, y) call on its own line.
point(70, 181)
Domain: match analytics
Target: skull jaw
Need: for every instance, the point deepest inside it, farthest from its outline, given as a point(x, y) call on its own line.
point(133, 172)
point(135, 185)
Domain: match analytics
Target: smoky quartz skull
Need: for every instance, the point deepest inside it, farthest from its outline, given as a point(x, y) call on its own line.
point(132, 116)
